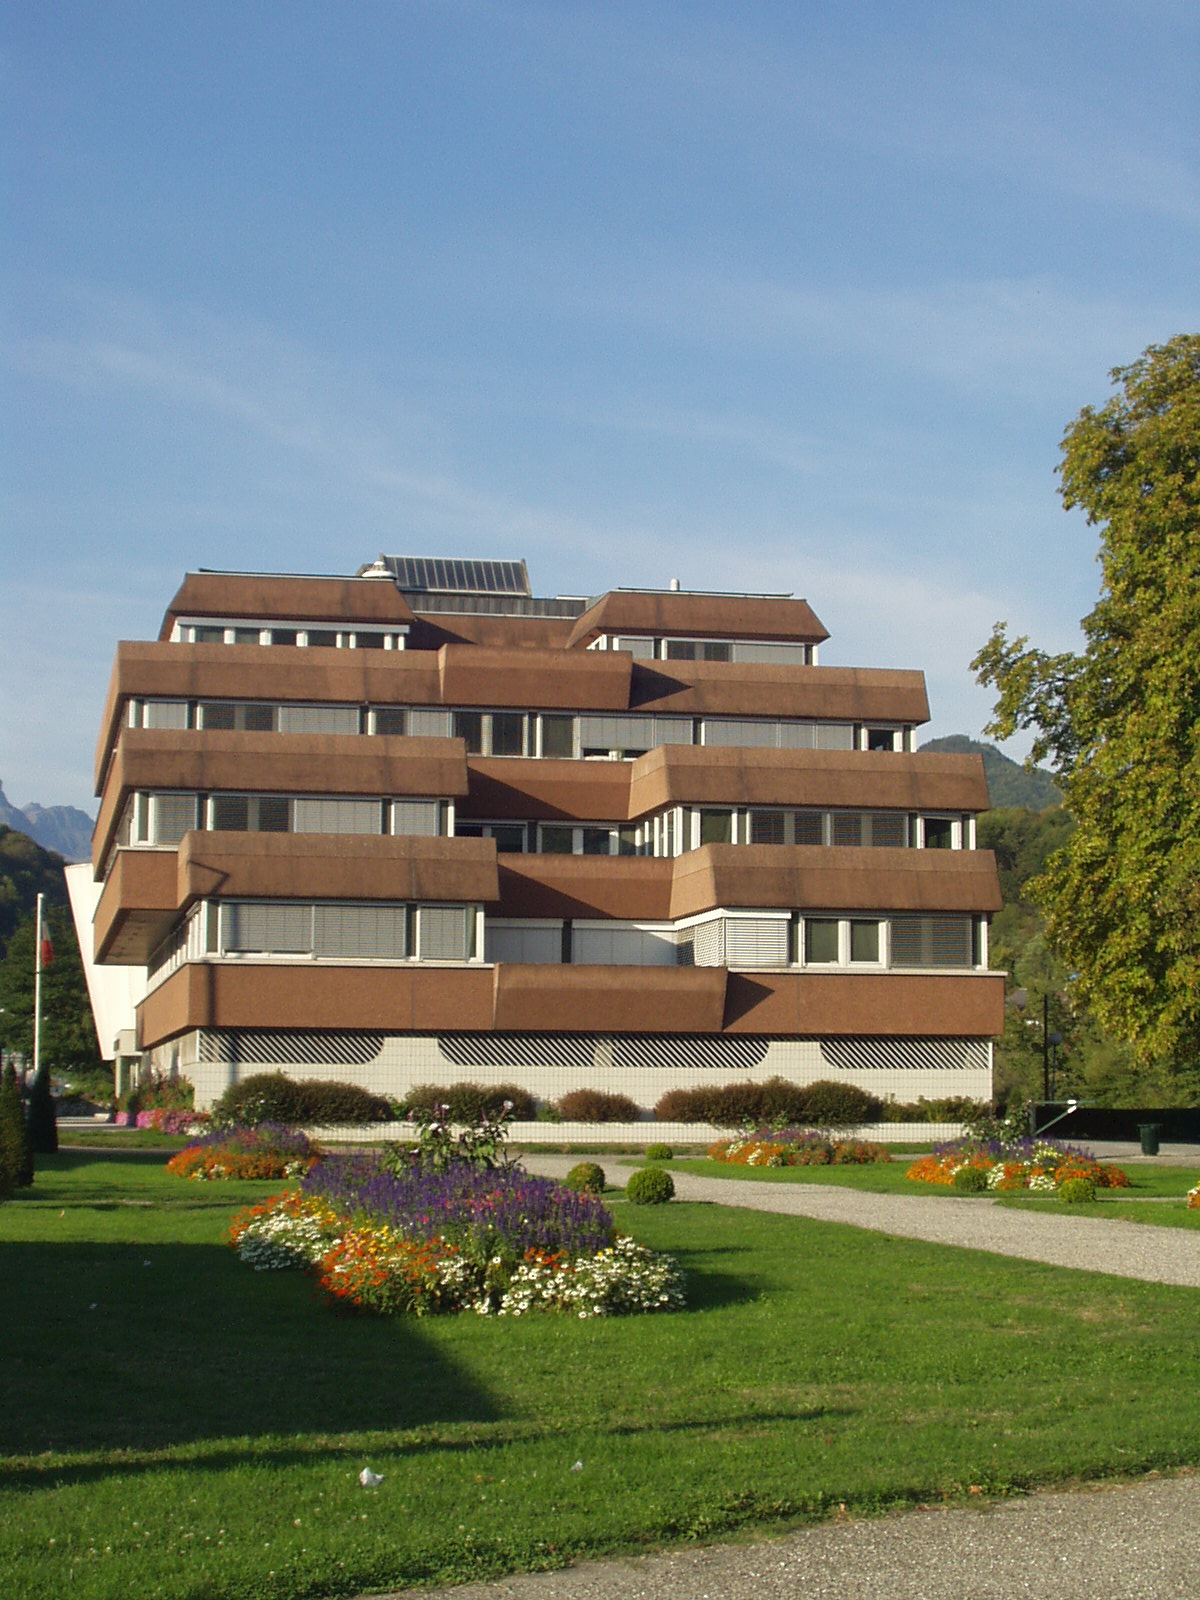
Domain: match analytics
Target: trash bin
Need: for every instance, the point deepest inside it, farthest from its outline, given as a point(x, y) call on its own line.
point(1149, 1132)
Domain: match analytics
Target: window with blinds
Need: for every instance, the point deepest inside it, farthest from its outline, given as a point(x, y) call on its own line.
point(338, 816)
point(427, 724)
point(165, 714)
point(360, 932)
point(318, 719)
point(420, 819)
point(756, 942)
point(445, 933)
point(171, 816)
point(277, 927)
point(932, 941)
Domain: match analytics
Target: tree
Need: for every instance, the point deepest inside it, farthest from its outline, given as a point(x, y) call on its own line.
point(68, 1033)
point(16, 1148)
point(1119, 722)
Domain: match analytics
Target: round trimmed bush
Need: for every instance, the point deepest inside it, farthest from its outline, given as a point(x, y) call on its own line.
point(659, 1152)
point(586, 1177)
point(970, 1180)
point(650, 1186)
point(1078, 1191)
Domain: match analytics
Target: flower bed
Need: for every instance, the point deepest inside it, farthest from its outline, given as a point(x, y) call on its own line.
point(493, 1240)
point(795, 1147)
point(1193, 1198)
point(1039, 1165)
point(268, 1151)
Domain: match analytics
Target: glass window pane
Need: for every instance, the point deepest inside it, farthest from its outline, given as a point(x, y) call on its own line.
point(595, 841)
point(256, 719)
point(889, 829)
point(322, 638)
point(834, 736)
point(847, 828)
point(205, 635)
point(429, 724)
point(283, 636)
point(939, 833)
point(821, 939)
point(508, 733)
point(509, 837)
point(556, 840)
point(368, 641)
point(389, 720)
point(716, 827)
point(165, 714)
point(247, 636)
point(216, 716)
point(443, 934)
point(468, 725)
point(558, 736)
point(864, 941)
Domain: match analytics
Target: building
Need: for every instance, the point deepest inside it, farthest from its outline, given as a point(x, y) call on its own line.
point(419, 825)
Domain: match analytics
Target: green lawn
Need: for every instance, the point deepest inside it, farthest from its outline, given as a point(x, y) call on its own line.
point(175, 1424)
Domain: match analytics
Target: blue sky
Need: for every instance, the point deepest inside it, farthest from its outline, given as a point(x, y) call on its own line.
point(788, 297)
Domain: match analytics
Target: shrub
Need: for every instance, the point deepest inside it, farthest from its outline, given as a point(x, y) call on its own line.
point(470, 1102)
point(274, 1097)
point(659, 1152)
point(586, 1178)
point(163, 1094)
point(16, 1148)
point(775, 1103)
point(970, 1180)
point(1193, 1198)
point(1077, 1191)
point(796, 1147)
point(650, 1186)
point(42, 1122)
point(839, 1105)
point(594, 1105)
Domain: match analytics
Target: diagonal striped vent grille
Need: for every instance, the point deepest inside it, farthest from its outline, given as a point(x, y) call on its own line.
point(263, 1048)
point(732, 1055)
point(864, 1055)
point(518, 1050)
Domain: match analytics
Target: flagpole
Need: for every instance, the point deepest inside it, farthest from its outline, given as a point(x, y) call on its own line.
point(37, 992)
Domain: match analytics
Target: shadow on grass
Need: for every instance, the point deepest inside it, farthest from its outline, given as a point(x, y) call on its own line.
point(143, 1347)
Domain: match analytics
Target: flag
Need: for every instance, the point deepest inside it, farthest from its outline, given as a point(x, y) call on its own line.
point(46, 950)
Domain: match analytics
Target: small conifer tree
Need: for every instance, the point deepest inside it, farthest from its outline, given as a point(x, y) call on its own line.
point(16, 1151)
point(43, 1124)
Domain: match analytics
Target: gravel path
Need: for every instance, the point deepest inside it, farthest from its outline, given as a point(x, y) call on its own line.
point(1126, 1249)
point(1120, 1541)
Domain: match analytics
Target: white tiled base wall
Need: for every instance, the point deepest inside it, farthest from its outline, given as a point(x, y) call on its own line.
point(595, 1135)
point(392, 1065)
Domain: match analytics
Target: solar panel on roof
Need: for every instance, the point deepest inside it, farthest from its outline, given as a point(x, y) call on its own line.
point(438, 575)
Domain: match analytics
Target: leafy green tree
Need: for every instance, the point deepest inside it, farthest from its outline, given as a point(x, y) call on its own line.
point(41, 1119)
point(1119, 721)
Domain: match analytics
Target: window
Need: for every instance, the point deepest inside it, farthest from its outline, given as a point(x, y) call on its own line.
point(939, 833)
point(322, 638)
point(318, 719)
point(338, 816)
point(508, 733)
point(767, 827)
point(556, 840)
point(429, 724)
point(360, 932)
point(821, 941)
point(165, 714)
point(595, 841)
point(468, 726)
point(247, 636)
point(284, 636)
point(368, 641)
point(879, 738)
point(697, 650)
point(171, 816)
point(716, 827)
point(421, 818)
point(809, 826)
point(230, 813)
point(864, 941)
point(558, 736)
point(389, 720)
point(947, 941)
point(888, 830)
point(509, 837)
point(445, 933)
point(834, 736)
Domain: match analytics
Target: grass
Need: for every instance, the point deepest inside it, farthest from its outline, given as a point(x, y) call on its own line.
point(175, 1424)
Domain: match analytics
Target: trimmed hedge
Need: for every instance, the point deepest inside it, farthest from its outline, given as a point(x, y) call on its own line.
point(470, 1103)
point(274, 1097)
point(775, 1103)
point(594, 1105)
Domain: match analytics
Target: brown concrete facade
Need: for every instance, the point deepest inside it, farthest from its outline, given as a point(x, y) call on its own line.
point(710, 616)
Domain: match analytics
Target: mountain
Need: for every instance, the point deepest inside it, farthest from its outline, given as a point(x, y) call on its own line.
point(1009, 783)
point(25, 871)
point(63, 829)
